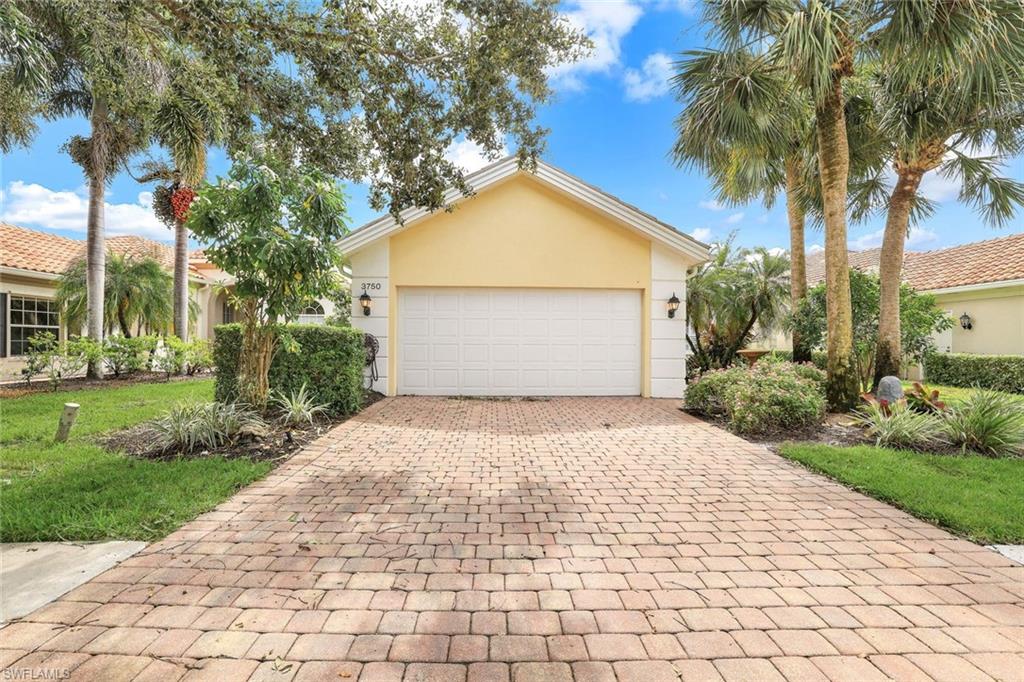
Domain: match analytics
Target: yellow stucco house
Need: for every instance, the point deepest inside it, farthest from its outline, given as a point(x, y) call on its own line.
point(536, 284)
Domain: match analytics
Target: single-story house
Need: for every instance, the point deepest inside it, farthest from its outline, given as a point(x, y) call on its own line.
point(536, 284)
point(980, 285)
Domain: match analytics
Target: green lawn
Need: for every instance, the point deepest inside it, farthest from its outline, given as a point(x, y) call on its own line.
point(949, 394)
point(977, 497)
point(79, 491)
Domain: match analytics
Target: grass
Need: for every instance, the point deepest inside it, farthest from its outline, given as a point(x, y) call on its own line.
point(978, 497)
point(949, 394)
point(79, 491)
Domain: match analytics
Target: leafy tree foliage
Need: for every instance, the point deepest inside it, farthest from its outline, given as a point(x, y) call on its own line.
point(920, 319)
point(273, 226)
point(730, 296)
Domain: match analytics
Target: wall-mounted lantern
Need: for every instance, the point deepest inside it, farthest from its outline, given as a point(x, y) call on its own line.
point(965, 321)
point(366, 302)
point(672, 305)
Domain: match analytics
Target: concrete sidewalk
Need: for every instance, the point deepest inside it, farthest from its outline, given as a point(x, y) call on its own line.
point(35, 573)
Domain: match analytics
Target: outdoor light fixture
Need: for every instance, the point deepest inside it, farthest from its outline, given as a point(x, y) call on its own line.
point(965, 321)
point(672, 305)
point(366, 302)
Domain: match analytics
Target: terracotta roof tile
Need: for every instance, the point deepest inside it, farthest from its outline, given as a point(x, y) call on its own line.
point(993, 260)
point(37, 251)
point(46, 252)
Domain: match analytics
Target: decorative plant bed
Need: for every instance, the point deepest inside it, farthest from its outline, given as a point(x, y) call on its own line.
point(16, 389)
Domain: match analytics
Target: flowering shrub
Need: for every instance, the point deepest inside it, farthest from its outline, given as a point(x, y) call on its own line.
point(767, 398)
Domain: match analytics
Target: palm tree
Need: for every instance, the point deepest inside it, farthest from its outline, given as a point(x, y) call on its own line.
point(814, 43)
point(747, 126)
point(727, 297)
point(949, 82)
point(189, 117)
point(137, 293)
point(98, 64)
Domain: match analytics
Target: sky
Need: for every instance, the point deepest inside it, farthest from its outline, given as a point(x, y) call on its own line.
point(610, 123)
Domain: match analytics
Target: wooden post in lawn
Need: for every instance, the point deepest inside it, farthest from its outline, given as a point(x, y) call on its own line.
point(67, 420)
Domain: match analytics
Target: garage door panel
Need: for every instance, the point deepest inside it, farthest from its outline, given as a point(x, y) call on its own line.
point(518, 342)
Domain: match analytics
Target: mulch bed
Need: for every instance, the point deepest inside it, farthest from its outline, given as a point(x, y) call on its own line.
point(836, 430)
point(279, 444)
point(41, 385)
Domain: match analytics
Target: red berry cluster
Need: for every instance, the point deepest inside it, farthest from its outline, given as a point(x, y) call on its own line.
point(181, 199)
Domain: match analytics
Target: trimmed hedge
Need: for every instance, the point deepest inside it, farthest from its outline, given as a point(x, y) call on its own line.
point(329, 360)
point(995, 372)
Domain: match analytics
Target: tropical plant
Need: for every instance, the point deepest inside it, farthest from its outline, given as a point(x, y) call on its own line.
point(750, 130)
point(921, 319)
point(274, 226)
point(137, 295)
point(169, 356)
point(987, 422)
point(897, 425)
point(920, 398)
point(188, 427)
point(298, 407)
point(947, 92)
point(812, 44)
point(730, 296)
point(198, 356)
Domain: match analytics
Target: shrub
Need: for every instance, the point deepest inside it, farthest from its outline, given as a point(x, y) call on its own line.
point(328, 360)
point(59, 360)
point(188, 427)
point(897, 425)
point(125, 356)
point(298, 407)
point(198, 356)
point(818, 358)
point(995, 372)
point(169, 357)
point(987, 422)
point(775, 396)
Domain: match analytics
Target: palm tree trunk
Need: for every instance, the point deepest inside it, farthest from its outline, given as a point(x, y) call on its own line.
point(95, 255)
point(122, 321)
point(834, 164)
point(181, 280)
point(797, 257)
point(888, 351)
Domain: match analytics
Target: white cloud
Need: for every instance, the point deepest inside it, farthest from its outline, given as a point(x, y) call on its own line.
point(684, 6)
point(734, 218)
point(814, 248)
point(712, 205)
point(701, 234)
point(918, 237)
point(651, 80)
point(939, 188)
point(470, 156)
point(606, 24)
point(33, 205)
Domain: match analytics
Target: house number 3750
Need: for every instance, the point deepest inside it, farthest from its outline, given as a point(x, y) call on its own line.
point(371, 286)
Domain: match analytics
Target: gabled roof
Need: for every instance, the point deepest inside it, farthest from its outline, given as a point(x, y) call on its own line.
point(567, 184)
point(968, 265)
point(51, 254)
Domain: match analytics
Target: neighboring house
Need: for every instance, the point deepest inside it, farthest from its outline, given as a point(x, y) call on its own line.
point(983, 281)
point(537, 284)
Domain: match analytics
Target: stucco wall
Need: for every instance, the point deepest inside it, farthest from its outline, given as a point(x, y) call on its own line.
point(522, 233)
point(997, 320)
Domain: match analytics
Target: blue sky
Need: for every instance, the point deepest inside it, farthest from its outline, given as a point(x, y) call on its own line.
point(610, 123)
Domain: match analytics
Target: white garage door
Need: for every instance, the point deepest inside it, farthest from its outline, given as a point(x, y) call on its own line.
point(518, 342)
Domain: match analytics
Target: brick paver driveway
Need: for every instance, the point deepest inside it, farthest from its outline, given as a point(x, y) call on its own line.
point(594, 539)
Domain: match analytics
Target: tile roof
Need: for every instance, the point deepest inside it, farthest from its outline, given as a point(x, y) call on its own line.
point(50, 253)
point(37, 251)
point(993, 260)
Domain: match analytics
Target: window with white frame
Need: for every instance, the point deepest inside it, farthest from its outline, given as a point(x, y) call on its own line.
point(312, 314)
point(29, 316)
